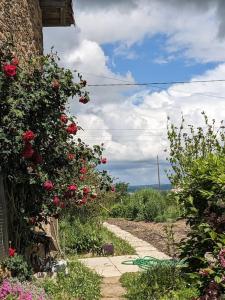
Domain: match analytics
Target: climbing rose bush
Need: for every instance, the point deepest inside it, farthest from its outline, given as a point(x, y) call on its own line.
point(41, 153)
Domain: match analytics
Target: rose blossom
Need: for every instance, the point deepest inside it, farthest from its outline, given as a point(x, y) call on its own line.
point(83, 100)
point(72, 128)
point(72, 187)
point(27, 151)
point(62, 204)
point(94, 195)
point(83, 170)
point(28, 136)
point(86, 190)
point(15, 61)
point(64, 118)
point(113, 189)
point(48, 185)
point(55, 84)
point(12, 252)
point(83, 201)
point(56, 200)
point(103, 160)
point(70, 156)
point(9, 70)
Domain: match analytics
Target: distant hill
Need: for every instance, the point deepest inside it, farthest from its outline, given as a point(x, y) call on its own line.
point(134, 188)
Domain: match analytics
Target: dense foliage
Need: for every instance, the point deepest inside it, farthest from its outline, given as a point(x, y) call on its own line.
point(89, 236)
point(160, 282)
point(147, 205)
point(43, 164)
point(80, 283)
point(198, 175)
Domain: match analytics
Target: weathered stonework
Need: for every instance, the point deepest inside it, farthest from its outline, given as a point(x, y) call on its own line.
point(21, 21)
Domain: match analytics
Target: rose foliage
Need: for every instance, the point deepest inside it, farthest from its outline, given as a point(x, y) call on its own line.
point(197, 157)
point(43, 163)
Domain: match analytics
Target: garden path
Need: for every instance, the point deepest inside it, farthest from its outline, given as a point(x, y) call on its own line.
point(111, 267)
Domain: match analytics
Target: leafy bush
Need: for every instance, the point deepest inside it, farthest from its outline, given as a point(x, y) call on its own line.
point(80, 237)
point(148, 205)
point(84, 237)
point(158, 283)
point(197, 157)
point(80, 283)
point(18, 267)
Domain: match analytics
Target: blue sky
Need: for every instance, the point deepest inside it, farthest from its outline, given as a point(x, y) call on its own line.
point(151, 62)
point(143, 41)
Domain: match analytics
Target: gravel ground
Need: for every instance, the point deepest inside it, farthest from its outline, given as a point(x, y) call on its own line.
point(155, 233)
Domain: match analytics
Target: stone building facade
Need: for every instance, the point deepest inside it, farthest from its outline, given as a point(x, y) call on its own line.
point(21, 22)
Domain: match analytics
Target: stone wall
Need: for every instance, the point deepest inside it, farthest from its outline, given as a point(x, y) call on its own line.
point(21, 21)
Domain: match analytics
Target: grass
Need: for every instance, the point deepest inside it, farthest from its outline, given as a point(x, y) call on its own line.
point(80, 283)
point(121, 247)
point(158, 283)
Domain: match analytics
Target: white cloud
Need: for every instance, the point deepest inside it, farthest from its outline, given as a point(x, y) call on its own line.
point(188, 27)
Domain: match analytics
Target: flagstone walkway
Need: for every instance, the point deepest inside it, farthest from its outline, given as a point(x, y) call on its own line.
point(111, 267)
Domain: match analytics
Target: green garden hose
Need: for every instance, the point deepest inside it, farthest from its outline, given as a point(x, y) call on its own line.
point(148, 261)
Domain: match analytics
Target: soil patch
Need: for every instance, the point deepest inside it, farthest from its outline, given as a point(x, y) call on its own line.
point(155, 233)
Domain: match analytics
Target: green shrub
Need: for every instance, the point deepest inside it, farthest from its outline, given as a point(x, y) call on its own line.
point(79, 238)
point(80, 283)
point(18, 267)
point(158, 283)
point(147, 205)
point(118, 210)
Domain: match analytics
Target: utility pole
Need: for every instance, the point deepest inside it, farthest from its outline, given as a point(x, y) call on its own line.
point(158, 172)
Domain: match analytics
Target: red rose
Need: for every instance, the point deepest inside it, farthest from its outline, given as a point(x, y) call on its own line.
point(55, 84)
point(72, 187)
point(9, 70)
point(28, 136)
point(12, 252)
point(56, 201)
point(83, 201)
point(113, 189)
point(48, 185)
point(104, 160)
point(64, 118)
point(72, 128)
point(83, 170)
point(94, 195)
point(27, 151)
point(70, 156)
point(37, 158)
point(86, 190)
point(83, 100)
point(15, 61)
point(62, 204)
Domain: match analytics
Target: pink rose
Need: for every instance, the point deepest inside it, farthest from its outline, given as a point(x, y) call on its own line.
point(48, 185)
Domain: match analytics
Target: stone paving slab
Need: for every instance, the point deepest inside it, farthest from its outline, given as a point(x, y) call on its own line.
point(141, 247)
point(109, 267)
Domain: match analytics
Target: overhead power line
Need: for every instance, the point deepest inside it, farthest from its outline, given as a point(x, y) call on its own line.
point(156, 83)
